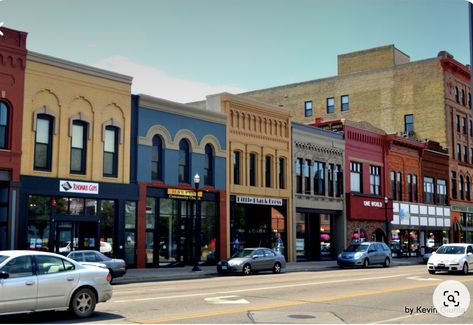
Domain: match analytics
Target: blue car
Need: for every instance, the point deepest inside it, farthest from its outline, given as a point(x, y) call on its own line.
point(365, 254)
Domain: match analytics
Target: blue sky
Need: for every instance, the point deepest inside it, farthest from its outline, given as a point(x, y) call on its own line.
point(183, 50)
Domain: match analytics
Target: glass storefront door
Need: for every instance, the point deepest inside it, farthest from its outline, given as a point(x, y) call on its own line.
point(75, 235)
point(314, 236)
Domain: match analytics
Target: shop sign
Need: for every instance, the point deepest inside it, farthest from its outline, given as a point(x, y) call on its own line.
point(175, 193)
point(373, 204)
point(258, 200)
point(460, 208)
point(78, 187)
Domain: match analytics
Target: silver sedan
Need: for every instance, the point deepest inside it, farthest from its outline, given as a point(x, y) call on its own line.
point(251, 260)
point(116, 266)
point(35, 281)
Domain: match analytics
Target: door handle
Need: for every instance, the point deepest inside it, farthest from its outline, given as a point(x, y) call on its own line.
point(29, 283)
point(70, 279)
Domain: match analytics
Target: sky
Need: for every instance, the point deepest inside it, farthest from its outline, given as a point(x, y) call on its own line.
point(183, 50)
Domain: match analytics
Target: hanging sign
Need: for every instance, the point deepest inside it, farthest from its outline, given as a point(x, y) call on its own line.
point(78, 187)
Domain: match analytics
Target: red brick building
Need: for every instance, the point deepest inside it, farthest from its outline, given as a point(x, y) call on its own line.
point(12, 72)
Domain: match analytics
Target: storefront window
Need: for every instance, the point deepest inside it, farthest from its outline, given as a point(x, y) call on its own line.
point(209, 231)
point(130, 233)
point(150, 228)
point(325, 236)
point(39, 212)
point(90, 207)
point(107, 214)
point(300, 235)
point(76, 206)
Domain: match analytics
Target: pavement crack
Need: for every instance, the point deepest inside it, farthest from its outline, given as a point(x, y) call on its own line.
point(249, 314)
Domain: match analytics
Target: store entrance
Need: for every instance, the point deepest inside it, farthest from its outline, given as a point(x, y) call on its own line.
point(75, 235)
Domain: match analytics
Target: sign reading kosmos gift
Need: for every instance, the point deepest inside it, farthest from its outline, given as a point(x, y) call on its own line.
point(78, 187)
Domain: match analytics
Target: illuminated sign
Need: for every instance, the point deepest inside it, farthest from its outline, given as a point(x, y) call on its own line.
point(78, 187)
point(183, 194)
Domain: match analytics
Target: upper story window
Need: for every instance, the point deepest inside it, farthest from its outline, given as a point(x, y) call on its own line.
point(110, 151)
point(307, 164)
point(252, 169)
point(236, 167)
point(184, 159)
point(268, 170)
point(456, 94)
point(4, 123)
point(157, 159)
point(330, 105)
point(462, 97)
point(319, 178)
point(399, 185)
point(299, 175)
point(339, 181)
point(79, 147)
point(43, 142)
point(308, 108)
point(441, 191)
point(460, 187)
point(393, 185)
point(457, 122)
point(428, 190)
point(209, 165)
point(412, 187)
point(469, 100)
point(330, 179)
point(471, 128)
point(459, 152)
point(454, 185)
point(282, 173)
point(465, 154)
point(345, 103)
point(355, 177)
point(464, 125)
point(467, 188)
point(409, 123)
point(375, 180)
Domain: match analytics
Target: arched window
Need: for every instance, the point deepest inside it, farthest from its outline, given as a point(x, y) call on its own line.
point(460, 188)
point(78, 147)
point(236, 167)
point(43, 142)
point(4, 112)
point(463, 97)
point(110, 151)
point(268, 171)
point(157, 159)
point(467, 188)
point(457, 95)
point(209, 165)
point(184, 161)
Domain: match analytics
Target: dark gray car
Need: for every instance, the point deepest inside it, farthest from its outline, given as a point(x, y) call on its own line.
point(251, 260)
point(116, 266)
point(365, 254)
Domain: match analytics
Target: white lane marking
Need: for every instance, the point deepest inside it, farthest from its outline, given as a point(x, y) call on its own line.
point(418, 278)
point(393, 319)
point(226, 300)
point(263, 288)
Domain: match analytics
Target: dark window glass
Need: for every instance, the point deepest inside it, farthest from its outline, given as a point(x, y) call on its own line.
point(460, 188)
point(330, 105)
point(236, 167)
point(462, 97)
point(252, 169)
point(268, 170)
point(282, 174)
point(209, 166)
point(414, 185)
point(308, 108)
point(157, 159)
point(465, 154)
point(4, 119)
point(345, 103)
point(307, 189)
point(454, 185)
point(467, 188)
point(110, 152)
point(409, 123)
point(393, 185)
point(399, 186)
point(19, 267)
point(464, 125)
point(319, 178)
point(339, 180)
point(469, 100)
point(299, 175)
point(78, 147)
point(43, 142)
point(330, 180)
point(184, 161)
point(457, 122)
point(457, 95)
point(428, 190)
point(375, 180)
point(459, 152)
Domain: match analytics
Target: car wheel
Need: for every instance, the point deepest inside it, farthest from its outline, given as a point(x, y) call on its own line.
point(366, 263)
point(387, 262)
point(277, 267)
point(246, 269)
point(83, 303)
point(432, 271)
point(465, 269)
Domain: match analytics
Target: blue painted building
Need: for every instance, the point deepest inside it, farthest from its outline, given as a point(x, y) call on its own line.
point(172, 143)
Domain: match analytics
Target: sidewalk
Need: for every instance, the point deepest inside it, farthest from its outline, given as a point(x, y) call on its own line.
point(185, 272)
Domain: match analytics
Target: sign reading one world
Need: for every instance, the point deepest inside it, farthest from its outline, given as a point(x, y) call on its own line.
point(258, 200)
point(78, 187)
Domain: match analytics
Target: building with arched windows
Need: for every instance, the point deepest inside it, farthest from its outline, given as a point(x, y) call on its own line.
point(75, 167)
point(174, 142)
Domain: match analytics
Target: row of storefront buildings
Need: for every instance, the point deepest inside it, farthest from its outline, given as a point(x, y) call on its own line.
point(84, 164)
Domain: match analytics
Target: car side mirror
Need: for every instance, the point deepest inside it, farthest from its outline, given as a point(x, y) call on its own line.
point(469, 253)
point(434, 252)
point(255, 257)
point(4, 275)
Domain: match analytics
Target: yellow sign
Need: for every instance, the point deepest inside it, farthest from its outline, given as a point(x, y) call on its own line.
point(183, 194)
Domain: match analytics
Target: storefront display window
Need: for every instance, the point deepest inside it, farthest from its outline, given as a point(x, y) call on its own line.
point(39, 211)
point(325, 236)
point(300, 235)
point(107, 221)
point(130, 232)
point(209, 231)
point(150, 228)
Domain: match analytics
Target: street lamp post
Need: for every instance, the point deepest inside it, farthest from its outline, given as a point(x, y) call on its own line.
point(197, 225)
point(386, 200)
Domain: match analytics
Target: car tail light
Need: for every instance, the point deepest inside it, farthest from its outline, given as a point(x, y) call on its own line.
point(123, 266)
point(109, 277)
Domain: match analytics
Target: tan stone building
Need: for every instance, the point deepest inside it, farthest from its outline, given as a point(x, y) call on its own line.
point(259, 189)
point(425, 99)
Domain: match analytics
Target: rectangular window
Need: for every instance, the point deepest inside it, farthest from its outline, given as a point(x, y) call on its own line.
point(299, 175)
point(428, 190)
point(308, 108)
point(393, 185)
point(345, 103)
point(441, 191)
point(399, 186)
point(409, 188)
point(459, 152)
point(236, 167)
point(339, 181)
point(252, 169)
point(465, 154)
point(464, 125)
point(268, 170)
point(457, 122)
point(110, 152)
point(355, 177)
point(282, 174)
point(414, 187)
point(307, 177)
point(375, 180)
point(454, 185)
point(78, 147)
point(409, 124)
point(330, 105)
point(330, 180)
point(43, 142)
point(319, 178)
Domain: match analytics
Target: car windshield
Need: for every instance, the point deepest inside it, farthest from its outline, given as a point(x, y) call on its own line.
point(451, 250)
point(2, 258)
point(357, 248)
point(244, 253)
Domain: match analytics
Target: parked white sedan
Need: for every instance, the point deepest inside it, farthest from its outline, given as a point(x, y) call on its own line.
point(451, 257)
point(35, 281)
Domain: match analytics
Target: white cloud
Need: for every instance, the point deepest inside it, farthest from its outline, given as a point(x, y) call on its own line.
point(153, 82)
